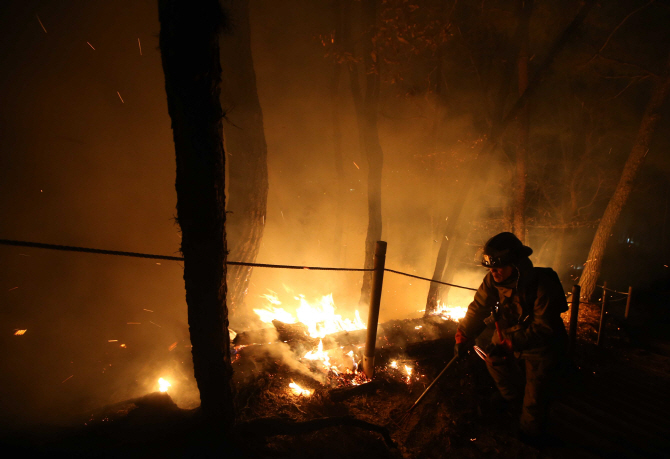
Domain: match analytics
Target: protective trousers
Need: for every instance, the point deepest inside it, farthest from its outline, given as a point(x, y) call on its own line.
point(534, 388)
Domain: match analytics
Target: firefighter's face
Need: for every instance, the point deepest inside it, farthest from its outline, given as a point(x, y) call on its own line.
point(501, 274)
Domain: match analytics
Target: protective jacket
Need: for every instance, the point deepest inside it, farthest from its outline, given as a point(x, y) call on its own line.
point(530, 304)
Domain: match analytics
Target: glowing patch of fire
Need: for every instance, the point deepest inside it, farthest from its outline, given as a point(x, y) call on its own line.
point(320, 319)
point(163, 385)
point(297, 390)
point(447, 312)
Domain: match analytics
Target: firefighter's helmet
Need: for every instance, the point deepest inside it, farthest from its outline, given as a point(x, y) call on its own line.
point(504, 249)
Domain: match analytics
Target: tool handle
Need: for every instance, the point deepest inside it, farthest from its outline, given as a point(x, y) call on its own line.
point(433, 383)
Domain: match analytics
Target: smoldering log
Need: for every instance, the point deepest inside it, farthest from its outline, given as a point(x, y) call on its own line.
point(397, 333)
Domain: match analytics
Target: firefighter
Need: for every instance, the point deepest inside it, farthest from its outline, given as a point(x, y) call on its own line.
point(527, 303)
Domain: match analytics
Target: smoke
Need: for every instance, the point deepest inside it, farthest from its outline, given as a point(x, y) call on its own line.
point(80, 167)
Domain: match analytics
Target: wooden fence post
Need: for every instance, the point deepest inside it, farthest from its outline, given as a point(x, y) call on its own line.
point(630, 295)
point(574, 315)
point(603, 311)
point(373, 314)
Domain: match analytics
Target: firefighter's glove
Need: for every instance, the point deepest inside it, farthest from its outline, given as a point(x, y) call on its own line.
point(503, 349)
point(463, 345)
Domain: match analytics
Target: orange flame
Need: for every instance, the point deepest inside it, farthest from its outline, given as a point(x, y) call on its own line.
point(163, 385)
point(297, 390)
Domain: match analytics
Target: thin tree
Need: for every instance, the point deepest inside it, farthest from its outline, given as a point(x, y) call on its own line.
point(366, 103)
point(245, 147)
point(650, 119)
point(190, 54)
point(525, 10)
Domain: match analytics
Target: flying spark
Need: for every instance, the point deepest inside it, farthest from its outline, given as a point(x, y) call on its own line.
point(13, 288)
point(112, 340)
point(140, 45)
point(172, 346)
point(66, 379)
point(133, 323)
point(356, 165)
point(20, 332)
point(89, 44)
point(148, 310)
point(120, 97)
point(43, 28)
point(155, 324)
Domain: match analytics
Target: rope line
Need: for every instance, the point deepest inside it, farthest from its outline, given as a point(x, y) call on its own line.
point(611, 290)
point(67, 248)
point(429, 280)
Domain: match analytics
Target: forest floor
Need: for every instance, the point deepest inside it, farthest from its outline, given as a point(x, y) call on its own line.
point(613, 403)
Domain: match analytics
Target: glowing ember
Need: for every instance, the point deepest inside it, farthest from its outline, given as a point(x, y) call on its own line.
point(297, 390)
point(320, 318)
point(408, 370)
point(163, 385)
point(20, 332)
point(394, 364)
point(448, 312)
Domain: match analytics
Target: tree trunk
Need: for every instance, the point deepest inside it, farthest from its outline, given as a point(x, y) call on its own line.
point(650, 119)
point(448, 237)
point(246, 149)
point(190, 55)
point(372, 148)
point(522, 125)
point(366, 105)
point(338, 159)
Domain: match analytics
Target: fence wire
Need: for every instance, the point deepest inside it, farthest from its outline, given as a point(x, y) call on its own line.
point(68, 248)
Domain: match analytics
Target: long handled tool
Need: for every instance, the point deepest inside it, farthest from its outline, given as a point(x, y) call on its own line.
point(406, 415)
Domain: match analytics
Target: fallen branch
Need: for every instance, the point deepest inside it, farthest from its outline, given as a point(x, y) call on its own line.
point(271, 426)
point(342, 393)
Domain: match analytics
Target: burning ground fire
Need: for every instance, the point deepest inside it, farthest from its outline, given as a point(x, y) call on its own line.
point(321, 320)
point(163, 385)
point(448, 312)
point(340, 364)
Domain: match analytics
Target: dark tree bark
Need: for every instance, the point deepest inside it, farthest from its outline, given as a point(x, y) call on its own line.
point(190, 54)
point(245, 147)
point(446, 247)
point(338, 158)
point(371, 146)
point(650, 119)
point(366, 104)
point(526, 8)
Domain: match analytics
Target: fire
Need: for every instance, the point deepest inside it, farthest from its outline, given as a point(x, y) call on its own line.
point(297, 390)
point(408, 370)
point(319, 354)
point(163, 385)
point(320, 318)
point(20, 332)
point(448, 312)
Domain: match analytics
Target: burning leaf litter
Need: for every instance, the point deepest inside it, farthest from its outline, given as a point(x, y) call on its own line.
point(163, 385)
point(297, 390)
point(448, 312)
